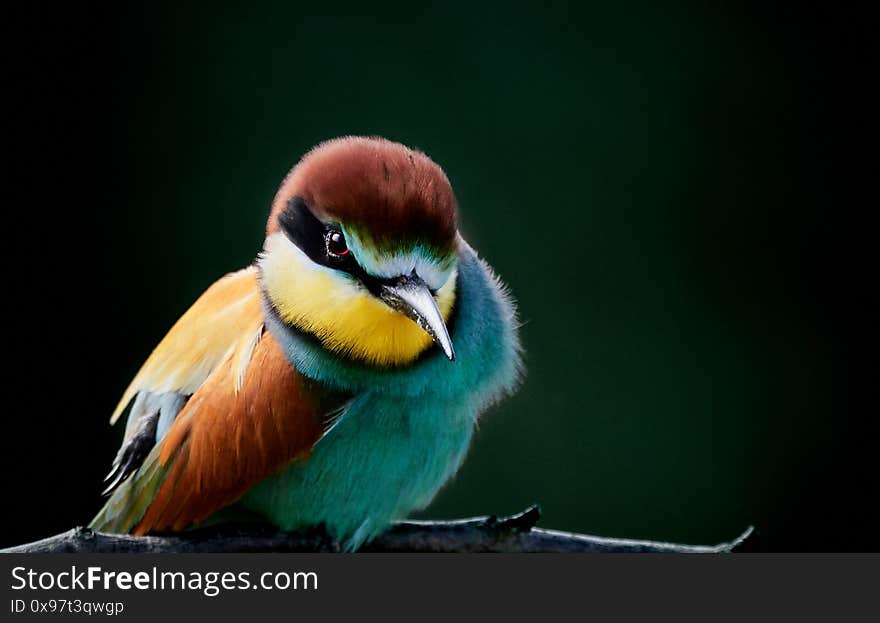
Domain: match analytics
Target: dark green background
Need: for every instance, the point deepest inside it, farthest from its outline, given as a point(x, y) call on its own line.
point(660, 188)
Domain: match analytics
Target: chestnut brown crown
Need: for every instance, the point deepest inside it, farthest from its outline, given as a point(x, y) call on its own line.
point(394, 194)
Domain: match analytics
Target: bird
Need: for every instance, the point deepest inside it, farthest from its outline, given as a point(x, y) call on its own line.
point(338, 380)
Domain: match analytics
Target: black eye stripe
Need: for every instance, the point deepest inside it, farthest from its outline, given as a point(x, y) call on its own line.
point(304, 230)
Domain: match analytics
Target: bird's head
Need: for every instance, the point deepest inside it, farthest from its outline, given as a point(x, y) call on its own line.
point(361, 250)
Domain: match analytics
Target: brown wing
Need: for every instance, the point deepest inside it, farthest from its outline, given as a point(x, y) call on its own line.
point(221, 327)
point(249, 415)
point(224, 442)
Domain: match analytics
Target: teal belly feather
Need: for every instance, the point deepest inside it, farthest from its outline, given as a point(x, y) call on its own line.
point(406, 430)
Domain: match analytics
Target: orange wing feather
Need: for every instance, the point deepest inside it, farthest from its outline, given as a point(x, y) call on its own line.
point(224, 322)
point(250, 413)
point(223, 442)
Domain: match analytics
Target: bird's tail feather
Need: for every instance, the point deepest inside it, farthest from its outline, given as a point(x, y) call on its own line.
point(126, 507)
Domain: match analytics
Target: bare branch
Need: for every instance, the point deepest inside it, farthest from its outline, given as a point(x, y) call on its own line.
point(515, 533)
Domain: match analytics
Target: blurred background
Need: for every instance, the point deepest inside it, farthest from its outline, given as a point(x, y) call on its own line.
point(679, 199)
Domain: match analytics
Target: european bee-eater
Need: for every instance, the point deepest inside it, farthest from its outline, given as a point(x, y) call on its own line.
point(337, 380)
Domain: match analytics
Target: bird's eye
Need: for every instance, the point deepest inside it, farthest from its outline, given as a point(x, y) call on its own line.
point(336, 246)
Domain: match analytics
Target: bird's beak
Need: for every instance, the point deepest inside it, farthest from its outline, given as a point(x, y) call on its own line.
point(411, 297)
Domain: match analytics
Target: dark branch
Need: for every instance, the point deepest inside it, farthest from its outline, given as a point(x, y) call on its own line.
point(515, 533)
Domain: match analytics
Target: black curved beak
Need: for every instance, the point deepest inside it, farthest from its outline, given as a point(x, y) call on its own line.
point(412, 297)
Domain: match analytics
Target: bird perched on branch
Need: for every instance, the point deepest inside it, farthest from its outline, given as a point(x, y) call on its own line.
point(335, 382)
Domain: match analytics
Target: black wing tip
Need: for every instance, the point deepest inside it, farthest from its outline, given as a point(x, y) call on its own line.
point(117, 475)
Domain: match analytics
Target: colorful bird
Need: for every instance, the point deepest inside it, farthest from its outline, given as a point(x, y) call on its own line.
point(336, 381)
